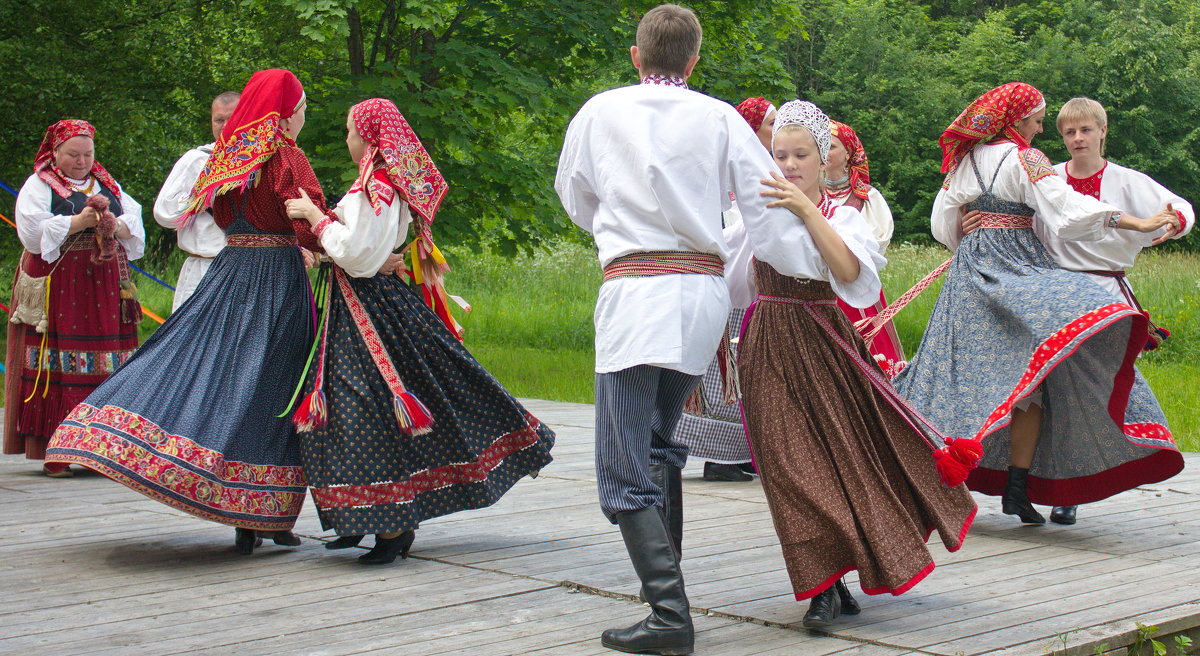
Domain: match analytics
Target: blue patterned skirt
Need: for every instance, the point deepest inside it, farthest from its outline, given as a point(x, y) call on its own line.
point(190, 420)
point(367, 476)
point(1008, 321)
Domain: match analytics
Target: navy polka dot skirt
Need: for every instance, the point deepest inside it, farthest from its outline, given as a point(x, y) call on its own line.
point(367, 476)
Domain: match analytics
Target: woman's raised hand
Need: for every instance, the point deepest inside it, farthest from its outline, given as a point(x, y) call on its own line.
point(789, 196)
point(303, 208)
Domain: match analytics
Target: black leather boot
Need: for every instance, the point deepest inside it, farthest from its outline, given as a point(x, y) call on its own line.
point(823, 609)
point(245, 540)
point(1014, 501)
point(344, 542)
point(386, 549)
point(283, 538)
point(670, 479)
point(1063, 515)
point(717, 472)
point(668, 630)
point(849, 605)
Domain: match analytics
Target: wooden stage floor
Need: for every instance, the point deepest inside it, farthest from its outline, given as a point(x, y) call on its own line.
point(90, 567)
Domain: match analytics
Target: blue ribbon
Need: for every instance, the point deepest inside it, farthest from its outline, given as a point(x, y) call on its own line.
point(7, 188)
point(139, 270)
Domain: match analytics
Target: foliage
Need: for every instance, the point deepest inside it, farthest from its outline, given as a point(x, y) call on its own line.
point(927, 60)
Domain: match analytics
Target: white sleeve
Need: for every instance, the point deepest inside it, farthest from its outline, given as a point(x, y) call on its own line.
point(39, 230)
point(776, 235)
point(1149, 198)
point(177, 189)
point(946, 219)
point(361, 243)
point(131, 216)
point(573, 179)
point(1066, 213)
point(739, 270)
point(850, 225)
point(879, 216)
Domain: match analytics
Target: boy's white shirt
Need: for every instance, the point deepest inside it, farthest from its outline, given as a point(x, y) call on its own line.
point(1131, 191)
point(650, 168)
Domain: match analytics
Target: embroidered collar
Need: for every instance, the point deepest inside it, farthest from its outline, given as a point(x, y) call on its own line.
point(826, 206)
point(665, 80)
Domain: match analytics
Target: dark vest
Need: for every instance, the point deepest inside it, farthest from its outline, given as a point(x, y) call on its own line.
point(77, 201)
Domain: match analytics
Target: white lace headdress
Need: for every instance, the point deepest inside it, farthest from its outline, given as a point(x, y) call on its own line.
point(809, 117)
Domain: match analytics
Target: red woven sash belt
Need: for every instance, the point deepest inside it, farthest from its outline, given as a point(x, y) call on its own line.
point(991, 220)
point(661, 263)
point(260, 241)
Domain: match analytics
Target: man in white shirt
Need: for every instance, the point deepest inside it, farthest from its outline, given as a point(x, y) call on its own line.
point(201, 239)
point(647, 169)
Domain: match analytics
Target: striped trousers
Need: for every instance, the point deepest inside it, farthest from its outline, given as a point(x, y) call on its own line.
point(636, 412)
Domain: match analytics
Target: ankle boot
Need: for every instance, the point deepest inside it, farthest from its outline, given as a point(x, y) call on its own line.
point(670, 479)
point(1063, 515)
point(717, 472)
point(1015, 502)
point(386, 549)
point(823, 609)
point(283, 538)
point(245, 540)
point(849, 605)
point(668, 630)
point(344, 542)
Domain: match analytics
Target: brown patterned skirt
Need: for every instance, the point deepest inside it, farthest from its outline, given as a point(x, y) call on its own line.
point(851, 484)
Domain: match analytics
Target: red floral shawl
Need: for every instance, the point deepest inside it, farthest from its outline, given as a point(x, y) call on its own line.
point(993, 114)
point(250, 138)
point(56, 135)
point(860, 171)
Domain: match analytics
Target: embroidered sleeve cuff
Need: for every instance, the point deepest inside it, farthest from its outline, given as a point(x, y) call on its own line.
point(1114, 218)
point(321, 225)
point(1182, 223)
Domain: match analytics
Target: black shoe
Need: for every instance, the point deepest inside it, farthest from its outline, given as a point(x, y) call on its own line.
point(1063, 515)
point(245, 540)
point(748, 467)
point(732, 473)
point(1015, 502)
point(668, 630)
point(344, 542)
point(283, 538)
point(823, 609)
point(386, 549)
point(849, 605)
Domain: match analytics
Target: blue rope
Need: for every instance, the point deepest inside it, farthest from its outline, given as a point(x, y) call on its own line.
point(7, 188)
point(139, 270)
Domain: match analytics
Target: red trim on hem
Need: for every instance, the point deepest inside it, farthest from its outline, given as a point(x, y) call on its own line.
point(476, 471)
point(1159, 466)
point(286, 523)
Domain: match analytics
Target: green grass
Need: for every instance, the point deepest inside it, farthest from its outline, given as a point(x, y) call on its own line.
point(531, 323)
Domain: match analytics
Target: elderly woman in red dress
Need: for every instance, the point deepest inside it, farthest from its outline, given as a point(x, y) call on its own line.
point(75, 315)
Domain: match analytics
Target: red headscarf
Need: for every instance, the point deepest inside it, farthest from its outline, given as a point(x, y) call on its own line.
point(755, 111)
point(856, 158)
point(250, 138)
point(408, 166)
point(57, 135)
point(992, 114)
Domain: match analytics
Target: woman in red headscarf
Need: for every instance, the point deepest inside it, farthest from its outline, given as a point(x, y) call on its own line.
point(1034, 360)
point(400, 423)
point(848, 182)
point(198, 417)
point(75, 312)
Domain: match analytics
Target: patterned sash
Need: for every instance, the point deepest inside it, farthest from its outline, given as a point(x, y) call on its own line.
point(261, 241)
point(661, 263)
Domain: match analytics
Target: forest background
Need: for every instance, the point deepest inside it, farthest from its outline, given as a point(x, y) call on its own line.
point(490, 85)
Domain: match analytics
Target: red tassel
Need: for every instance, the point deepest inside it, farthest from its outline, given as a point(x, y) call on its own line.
point(411, 415)
point(311, 413)
point(956, 460)
point(694, 404)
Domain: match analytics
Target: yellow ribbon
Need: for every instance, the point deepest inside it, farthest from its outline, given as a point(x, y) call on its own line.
point(42, 354)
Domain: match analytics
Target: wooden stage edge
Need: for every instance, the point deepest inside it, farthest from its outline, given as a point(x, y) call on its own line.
point(88, 566)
